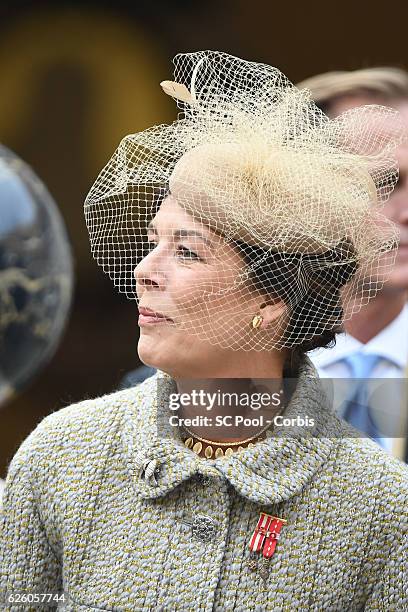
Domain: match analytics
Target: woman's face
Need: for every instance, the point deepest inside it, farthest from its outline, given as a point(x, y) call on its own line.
point(191, 313)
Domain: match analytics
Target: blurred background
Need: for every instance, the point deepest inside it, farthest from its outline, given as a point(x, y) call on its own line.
point(76, 77)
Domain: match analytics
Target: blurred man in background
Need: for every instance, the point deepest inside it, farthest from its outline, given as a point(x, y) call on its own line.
point(375, 344)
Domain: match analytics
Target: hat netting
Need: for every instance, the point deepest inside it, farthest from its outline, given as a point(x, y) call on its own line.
point(288, 201)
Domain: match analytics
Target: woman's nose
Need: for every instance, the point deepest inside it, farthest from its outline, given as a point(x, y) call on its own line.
point(150, 271)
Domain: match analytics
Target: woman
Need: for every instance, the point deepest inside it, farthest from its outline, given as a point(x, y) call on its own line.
point(248, 230)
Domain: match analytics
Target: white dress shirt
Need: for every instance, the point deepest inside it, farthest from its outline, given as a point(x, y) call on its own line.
point(392, 344)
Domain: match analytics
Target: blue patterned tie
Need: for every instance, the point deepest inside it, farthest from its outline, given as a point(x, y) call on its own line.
point(357, 412)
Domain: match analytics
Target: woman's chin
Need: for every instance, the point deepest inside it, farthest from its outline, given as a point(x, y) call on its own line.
point(146, 353)
point(150, 353)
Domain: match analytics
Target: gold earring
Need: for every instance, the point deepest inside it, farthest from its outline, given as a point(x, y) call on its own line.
point(256, 321)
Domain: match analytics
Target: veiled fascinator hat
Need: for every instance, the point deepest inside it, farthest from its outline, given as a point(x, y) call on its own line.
point(252, 159)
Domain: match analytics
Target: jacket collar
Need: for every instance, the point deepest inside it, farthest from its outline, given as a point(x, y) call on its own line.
point(272, 471)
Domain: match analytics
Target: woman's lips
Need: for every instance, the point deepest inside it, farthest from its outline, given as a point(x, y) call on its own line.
point(150, 317)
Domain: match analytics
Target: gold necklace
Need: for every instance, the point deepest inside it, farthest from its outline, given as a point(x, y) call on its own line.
point(208, 450)
point(195, 443)
point(227, 443)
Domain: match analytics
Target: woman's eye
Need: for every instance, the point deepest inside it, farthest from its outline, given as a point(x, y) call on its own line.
point(187, 254)
point(182, 252)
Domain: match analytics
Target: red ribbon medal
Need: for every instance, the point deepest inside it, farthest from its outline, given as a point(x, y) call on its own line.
point(265, 536)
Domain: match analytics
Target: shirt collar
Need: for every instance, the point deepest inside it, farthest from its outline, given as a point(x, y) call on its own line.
point(391, 343)
point(270, 472)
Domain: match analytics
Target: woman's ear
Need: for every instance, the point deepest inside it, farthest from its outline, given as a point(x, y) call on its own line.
point(271, 311)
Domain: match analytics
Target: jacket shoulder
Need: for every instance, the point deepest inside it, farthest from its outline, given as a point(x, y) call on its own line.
point(366, 464)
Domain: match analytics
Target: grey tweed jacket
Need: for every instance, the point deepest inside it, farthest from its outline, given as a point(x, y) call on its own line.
point(114, 513)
